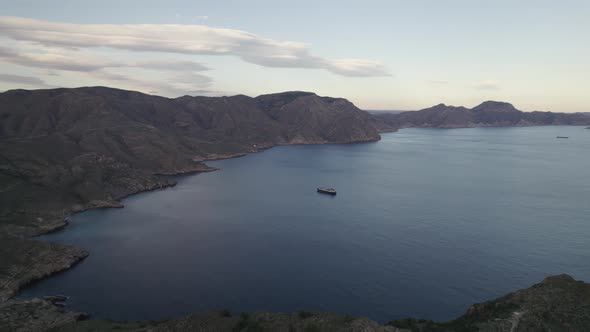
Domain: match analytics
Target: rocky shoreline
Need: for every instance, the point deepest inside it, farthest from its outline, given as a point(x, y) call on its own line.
point(33, 260)
point(56, 258)
point(558, 303)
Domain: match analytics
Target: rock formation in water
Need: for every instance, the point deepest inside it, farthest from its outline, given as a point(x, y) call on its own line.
point(487, 114)
point(558, 303)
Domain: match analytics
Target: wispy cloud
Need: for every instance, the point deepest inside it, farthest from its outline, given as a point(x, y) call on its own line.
point(174, 38)
point(85, 62)
point(487, 85)
point(25, 80)
point(177, 85)
point(55, 61)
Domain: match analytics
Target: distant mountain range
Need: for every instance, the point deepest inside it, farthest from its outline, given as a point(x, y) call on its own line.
point(487, 114)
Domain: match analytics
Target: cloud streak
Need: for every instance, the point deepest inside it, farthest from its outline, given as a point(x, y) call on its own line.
point(178, 77)
point(26, 80)
point(179, 39)
point(83, 62)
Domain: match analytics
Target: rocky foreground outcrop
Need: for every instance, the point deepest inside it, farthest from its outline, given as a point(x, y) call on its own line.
point(558, 303)
point(23, 261)
point(35, 315)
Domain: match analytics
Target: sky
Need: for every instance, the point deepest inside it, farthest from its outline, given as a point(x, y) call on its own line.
point(381, 55)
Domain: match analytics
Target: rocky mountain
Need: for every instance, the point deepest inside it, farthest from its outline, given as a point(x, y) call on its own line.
point(487, 114)
point(66, 150)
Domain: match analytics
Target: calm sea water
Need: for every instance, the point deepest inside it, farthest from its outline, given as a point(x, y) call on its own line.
point(425, 223)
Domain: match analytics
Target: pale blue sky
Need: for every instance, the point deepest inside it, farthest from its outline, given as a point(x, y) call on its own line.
point(408, 54)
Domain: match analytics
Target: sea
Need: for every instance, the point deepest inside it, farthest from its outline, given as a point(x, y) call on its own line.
point(425, 223)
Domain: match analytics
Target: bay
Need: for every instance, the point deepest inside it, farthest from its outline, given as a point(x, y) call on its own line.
point(425, 223)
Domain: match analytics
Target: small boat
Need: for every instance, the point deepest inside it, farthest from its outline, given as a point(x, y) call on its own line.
point(562, 137)
point(329, 191)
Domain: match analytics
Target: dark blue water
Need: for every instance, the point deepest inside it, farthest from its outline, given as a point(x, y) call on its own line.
point(425, 223)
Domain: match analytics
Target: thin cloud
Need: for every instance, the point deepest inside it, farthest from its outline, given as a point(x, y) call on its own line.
point(178, 77)
point(26, 80)
point(173, 65)
point(55, 61)
point(357, 67)
point(183, 39)
point(183, 84)
point(83, 62)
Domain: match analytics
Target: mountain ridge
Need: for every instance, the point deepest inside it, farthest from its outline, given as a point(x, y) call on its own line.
point(88, 147)
point(487, 114)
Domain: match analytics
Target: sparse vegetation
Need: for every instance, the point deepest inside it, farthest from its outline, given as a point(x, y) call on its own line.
point(305, 314)
point(312, 328)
